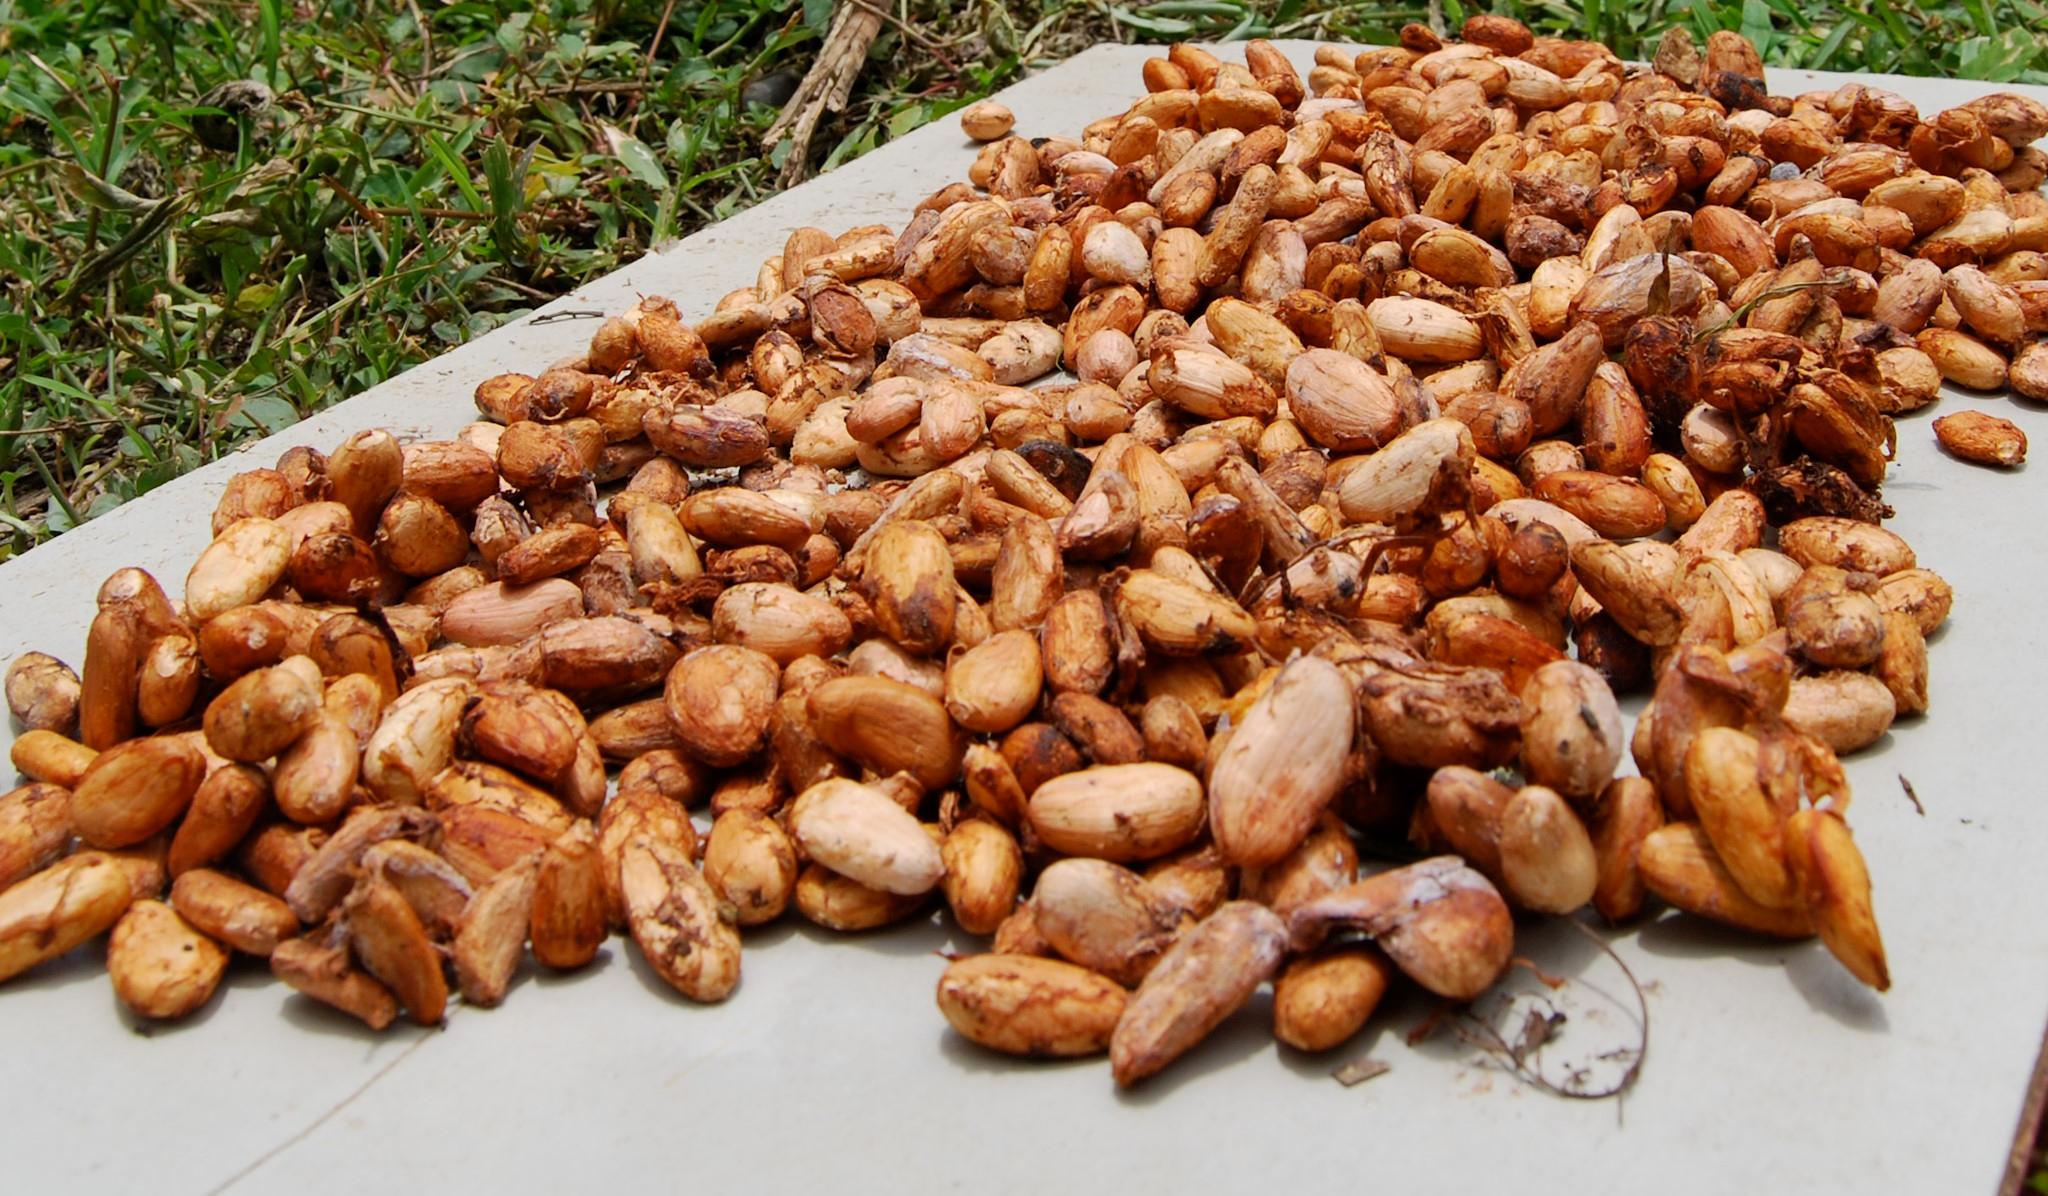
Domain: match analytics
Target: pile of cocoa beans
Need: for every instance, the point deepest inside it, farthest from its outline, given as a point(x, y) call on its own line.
point(1410, 413)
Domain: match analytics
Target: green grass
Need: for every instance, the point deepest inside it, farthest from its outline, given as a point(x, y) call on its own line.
point(176, 277)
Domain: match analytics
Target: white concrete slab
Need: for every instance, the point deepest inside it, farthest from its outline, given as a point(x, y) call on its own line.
point(831, 1067)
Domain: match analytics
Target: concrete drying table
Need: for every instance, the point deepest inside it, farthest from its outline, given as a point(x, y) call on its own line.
point(1767, 1066)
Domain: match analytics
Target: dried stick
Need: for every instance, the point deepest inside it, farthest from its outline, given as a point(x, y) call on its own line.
point(825, 86)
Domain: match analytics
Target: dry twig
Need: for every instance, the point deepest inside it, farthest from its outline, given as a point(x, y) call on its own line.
point(825, 86)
